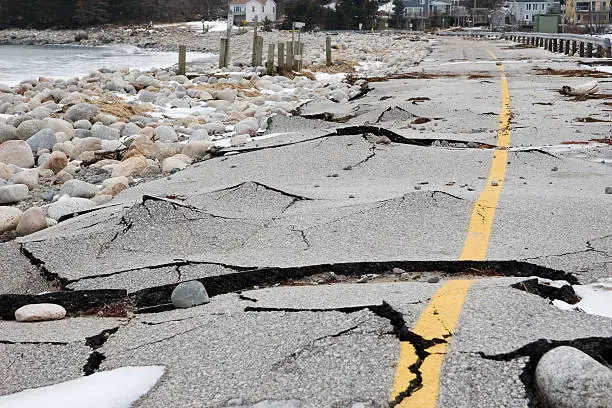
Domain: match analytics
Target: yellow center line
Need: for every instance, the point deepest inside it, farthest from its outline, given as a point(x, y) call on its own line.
point(481, 222)
point(438, 321)
point(441, 315)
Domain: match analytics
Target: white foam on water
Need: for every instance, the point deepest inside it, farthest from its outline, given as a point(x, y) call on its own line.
point(18, 63)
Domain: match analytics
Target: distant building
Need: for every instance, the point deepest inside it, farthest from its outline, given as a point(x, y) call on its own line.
point(247, 10)
point(597, 12)
point(525, 10)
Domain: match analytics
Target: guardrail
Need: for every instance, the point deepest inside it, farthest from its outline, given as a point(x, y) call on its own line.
point(569, 44)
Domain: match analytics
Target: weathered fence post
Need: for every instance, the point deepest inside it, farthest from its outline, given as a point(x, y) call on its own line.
point(297, 57)
point(550, 44)
point(258, 51)
point(182, 60)
point(589, 52)
point(254, 54)
point(328, 55)
point(568, 46)
point(574, 47)
point(222, 53)
point(581, 52)
point(289, 64)
point(270, 61)
point(281, 58)
point(224, 50)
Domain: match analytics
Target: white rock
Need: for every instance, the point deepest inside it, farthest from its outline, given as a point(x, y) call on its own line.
point(116, 180)
point(40, 312)
point(172, 164)
point(9, 218)
point(13, 193)
point(565, 377)
point(66, 206)
point(78, 188)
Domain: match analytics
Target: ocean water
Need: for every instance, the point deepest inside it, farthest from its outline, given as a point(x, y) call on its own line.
point(18, 63)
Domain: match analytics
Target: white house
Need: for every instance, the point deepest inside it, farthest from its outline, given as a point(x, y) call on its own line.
point(525, 10)
point(246, 10)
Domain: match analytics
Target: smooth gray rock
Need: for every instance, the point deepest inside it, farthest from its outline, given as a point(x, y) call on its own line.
point(82, 124)
point(44, 139)
point(166, 134)
point(13, 193)
point(130, 129)
point(104, 132)
point(566, 377)
point(17, 152)
point(7, 132)
point(78, 188)
point(81, 111)
point(189, 294)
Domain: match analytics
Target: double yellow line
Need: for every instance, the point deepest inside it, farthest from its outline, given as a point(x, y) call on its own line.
point(441, 315)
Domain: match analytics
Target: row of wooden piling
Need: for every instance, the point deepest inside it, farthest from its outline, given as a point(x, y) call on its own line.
point(288, 55)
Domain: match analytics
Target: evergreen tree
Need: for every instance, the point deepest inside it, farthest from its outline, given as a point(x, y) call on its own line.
point(397, 16)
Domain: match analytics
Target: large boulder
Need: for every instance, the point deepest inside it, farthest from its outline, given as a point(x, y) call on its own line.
point(565, 377)
point(16, 152)
point(44, 139)
point(81, 111)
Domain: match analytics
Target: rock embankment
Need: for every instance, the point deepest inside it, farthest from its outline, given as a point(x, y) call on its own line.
point(67, 146)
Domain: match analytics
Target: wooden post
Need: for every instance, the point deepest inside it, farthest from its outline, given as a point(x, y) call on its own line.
point(289, 64)
point(555, 47)
point(258, 51)
point(297, 57)
point(581, 52)
point(182, 60)
point(568, 45)
point(281, 58)
point(328, 55)
point(270, 60)
point(574, 47)
point(254, 54)
point(600, 52)
point(589, 52)
point(222, 52)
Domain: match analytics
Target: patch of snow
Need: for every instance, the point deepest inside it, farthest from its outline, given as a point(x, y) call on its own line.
point(272, 135)
point(213, 26)
point(603, 68)
point(325, 77)
point(596, 298)
point(386, 8)
point(107, 389)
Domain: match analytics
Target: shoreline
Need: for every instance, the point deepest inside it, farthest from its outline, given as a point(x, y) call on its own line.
point(70, 145)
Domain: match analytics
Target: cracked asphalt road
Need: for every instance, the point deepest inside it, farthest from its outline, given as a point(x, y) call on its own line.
point(323, 196)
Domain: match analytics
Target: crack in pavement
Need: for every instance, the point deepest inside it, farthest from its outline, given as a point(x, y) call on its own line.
point(400, 330)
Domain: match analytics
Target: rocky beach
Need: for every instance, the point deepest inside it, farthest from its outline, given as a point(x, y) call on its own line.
point(70, 145)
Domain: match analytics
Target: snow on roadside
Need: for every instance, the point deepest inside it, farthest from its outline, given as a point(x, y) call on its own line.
point(213, 26)
point(107, 389)
point(595, 298)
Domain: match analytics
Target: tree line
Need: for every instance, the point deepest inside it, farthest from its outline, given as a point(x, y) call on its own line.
point(82, 13)
point(324, 14)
